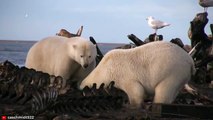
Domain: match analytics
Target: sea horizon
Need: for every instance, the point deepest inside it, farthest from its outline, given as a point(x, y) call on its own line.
point(8, 40)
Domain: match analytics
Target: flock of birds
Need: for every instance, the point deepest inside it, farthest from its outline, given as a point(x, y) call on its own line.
point(157, 24)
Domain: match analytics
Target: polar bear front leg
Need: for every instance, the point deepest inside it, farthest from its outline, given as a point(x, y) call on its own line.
point(136, 94)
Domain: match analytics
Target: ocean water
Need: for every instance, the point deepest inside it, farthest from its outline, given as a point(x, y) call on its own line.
point(16, 51)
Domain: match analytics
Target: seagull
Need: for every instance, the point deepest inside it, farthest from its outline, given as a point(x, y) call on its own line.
point(26, 15)
point(206, 4)
point(156, 24)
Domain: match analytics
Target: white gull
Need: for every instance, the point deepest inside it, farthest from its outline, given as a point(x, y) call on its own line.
point(206, 4)
point(156, 24)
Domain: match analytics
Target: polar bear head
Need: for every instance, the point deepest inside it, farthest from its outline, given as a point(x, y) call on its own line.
point(85, 52)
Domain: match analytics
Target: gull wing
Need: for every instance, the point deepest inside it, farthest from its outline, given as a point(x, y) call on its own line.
point(159, 24)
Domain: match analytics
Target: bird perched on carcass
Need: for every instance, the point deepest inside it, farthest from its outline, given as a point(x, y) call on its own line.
point(156, 24)
point(206, 4)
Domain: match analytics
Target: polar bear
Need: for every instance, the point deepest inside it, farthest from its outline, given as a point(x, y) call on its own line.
point(71, 58)
point(158, 69)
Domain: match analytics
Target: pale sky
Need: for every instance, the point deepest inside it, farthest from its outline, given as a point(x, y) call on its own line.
point(108, 21)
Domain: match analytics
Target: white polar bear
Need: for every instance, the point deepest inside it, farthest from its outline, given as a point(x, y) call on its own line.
point(159, 69)
point(71, 58)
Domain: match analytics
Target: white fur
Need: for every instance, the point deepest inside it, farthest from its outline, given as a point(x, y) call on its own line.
point(61, 56)
point(159, 69)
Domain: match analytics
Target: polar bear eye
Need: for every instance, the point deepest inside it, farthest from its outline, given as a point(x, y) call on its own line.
point(81, 56)
point(90, 56)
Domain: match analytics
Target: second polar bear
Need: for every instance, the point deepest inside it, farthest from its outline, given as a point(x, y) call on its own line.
point(70, 58)
point(159, 69)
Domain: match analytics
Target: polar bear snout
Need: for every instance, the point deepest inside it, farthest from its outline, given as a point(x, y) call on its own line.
point(86, 61)
point(85, 66)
